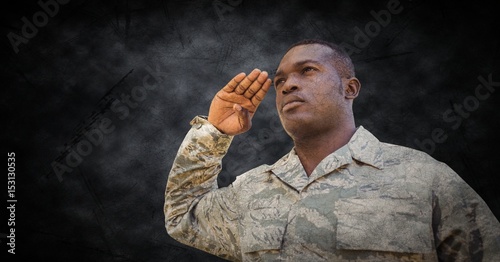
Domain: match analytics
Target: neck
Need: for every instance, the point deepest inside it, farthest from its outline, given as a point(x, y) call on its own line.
point(311, 150)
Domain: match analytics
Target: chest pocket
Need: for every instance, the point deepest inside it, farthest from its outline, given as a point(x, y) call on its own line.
point(391, 225)
point(264, 229)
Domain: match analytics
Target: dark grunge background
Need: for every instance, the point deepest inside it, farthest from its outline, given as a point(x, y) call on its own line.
point(67, 78)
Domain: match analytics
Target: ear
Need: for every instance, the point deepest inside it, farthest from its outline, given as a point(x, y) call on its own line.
point(351, 87)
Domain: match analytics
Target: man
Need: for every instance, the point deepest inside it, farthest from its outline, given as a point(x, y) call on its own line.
point(339, 195)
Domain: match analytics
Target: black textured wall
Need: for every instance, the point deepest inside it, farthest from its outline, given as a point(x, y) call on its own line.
point(97, 97)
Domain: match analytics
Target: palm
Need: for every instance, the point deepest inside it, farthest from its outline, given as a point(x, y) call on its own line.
point(234, 105)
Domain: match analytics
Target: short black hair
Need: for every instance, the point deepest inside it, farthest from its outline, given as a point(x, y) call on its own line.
point(341, 60)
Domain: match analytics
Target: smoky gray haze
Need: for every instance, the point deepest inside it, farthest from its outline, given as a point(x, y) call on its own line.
point(97, 102)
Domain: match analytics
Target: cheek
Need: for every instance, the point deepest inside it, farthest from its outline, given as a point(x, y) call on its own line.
point(278, 101)
point(327, 99)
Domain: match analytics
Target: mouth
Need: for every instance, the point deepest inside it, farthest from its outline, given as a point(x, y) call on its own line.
point(291, 102)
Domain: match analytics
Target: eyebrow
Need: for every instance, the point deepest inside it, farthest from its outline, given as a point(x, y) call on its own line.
point(296, 64)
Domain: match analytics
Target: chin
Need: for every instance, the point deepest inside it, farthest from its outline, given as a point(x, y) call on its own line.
point(297, 128)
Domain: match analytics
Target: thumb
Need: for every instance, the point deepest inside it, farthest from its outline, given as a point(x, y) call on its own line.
point(243, 117)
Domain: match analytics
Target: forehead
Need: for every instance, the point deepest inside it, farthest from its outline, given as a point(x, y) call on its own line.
point(316, 52)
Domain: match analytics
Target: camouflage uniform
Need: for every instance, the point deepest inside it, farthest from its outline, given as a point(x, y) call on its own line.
point(367, 201)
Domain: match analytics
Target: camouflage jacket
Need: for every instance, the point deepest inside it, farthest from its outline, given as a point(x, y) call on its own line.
point(368, 201)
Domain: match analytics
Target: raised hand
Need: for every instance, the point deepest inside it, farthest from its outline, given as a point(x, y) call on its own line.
point(235, 104)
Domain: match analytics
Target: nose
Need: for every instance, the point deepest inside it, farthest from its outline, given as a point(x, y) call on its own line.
point(289, 86)
point(289, 90)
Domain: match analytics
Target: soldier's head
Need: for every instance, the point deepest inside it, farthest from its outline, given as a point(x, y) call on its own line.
point(315, 87)
point(339, 57)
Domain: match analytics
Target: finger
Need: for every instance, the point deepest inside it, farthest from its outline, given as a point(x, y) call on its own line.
point(243, 86)
point(259, 96)
point(256, 85)
point(243, 117)
point(234, 82)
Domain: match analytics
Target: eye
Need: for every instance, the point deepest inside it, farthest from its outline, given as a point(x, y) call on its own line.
point(278, 82)
point(308, 69)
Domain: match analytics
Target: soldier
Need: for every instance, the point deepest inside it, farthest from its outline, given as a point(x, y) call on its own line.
point(339, 195)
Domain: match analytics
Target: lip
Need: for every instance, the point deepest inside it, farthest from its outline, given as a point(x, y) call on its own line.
point(291, 102)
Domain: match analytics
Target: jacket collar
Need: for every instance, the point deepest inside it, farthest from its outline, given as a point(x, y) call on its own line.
point(363, 147)
point(366, 148)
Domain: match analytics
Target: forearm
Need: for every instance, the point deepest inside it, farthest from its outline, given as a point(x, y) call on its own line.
point(195, 168)
point(195, 209)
